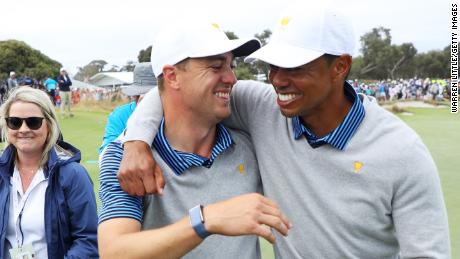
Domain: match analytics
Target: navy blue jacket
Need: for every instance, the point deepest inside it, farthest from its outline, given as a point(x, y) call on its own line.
point(63, 84)
point(70, 204)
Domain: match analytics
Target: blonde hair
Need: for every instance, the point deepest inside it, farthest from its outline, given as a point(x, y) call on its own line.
point(42, 100)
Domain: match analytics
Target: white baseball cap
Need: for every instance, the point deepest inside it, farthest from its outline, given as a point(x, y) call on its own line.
point(12, 73)
point(306, 31)
point(195, 39)
point(62, 69)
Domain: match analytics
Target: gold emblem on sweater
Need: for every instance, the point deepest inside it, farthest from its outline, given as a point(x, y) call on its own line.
point(241, 168)
point(358, 166)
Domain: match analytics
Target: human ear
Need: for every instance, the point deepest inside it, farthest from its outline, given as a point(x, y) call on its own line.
point(170, 77)
point(341, 67)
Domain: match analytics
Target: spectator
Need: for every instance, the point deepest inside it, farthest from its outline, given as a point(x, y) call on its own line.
point(48, 204)
point(64, 91)
point(12, 82)
point(144, 80)
point(50, 85)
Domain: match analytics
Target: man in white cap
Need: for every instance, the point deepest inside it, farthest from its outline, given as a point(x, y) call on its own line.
point(64, 83)
point(205, 164)
point(12, 82)
point(355, 181)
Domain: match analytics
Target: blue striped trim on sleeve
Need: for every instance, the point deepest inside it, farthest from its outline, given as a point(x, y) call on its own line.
point(115, 202)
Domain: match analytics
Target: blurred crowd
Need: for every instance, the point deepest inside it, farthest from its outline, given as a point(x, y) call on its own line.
point(51, 86)
point(384, 90)
point(404, 89)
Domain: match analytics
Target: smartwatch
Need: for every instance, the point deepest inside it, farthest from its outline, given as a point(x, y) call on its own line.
point(197, 221)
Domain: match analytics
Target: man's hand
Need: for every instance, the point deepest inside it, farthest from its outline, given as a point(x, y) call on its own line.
point(245, 215)
point(139, 174)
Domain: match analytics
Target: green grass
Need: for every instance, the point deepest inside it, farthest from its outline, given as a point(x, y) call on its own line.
point(85, 132)
point(439, 129)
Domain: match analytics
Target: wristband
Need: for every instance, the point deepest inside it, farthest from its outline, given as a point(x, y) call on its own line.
point(197, 221)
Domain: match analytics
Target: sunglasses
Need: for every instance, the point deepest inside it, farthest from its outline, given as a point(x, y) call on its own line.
point(15, 123)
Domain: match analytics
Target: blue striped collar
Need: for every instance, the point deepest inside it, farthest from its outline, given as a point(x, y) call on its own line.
point(180, 161)
point(341, 135)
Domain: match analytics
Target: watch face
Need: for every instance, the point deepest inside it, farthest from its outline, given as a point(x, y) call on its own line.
point(201, 214)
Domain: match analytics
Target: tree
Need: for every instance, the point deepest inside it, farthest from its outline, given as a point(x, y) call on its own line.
point(144, 54)
point(381, 59)
point(25, 61)
point(401, 56)
point(128, 67)
point(356, 67)
point(376, 46)
point(231, 35)
point(243, 71)
point(92, 68)
point(264, 36)
point(260, 66)
point(433, 64)
point(114, 68)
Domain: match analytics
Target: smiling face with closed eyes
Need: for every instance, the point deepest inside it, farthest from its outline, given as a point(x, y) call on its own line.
point(206, 85)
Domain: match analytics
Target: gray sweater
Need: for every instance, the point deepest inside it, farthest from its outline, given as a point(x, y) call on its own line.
point(379, 198)
point(234, 172)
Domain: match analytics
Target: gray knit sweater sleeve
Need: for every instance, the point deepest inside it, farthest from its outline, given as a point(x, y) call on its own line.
point(419, 213)
point(248, 98)
point(143, 124)
point(247, 102)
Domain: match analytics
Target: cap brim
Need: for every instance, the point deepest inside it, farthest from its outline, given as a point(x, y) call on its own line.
point(283, 55)
point(239, 47)
point(246, 47)
point(133, 90)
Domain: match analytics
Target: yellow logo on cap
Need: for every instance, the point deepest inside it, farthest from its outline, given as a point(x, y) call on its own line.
point(285, 21)
point(215, 25)
point(241, 168)
point(358, 166)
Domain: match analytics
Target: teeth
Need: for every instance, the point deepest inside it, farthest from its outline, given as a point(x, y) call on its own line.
point(222, 95)
point(286, 97)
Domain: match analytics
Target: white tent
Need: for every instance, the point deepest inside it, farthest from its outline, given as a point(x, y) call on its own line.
point(112, 79)
point(82, 85)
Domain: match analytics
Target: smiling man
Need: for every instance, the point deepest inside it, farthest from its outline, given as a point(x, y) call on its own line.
point(355, 181)
point(205, 164)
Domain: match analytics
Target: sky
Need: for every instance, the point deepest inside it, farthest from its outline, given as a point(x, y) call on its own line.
point(75, 32)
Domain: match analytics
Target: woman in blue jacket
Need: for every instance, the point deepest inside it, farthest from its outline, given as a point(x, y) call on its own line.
point(47, 203)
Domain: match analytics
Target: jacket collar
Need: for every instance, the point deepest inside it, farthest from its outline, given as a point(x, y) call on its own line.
point(56, 155)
